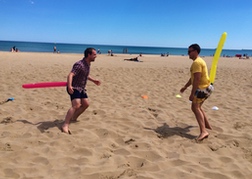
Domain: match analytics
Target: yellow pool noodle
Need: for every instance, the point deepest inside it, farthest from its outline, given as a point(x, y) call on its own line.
point(216, 57)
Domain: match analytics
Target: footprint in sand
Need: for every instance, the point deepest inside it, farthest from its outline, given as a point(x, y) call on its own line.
point(153, 112)
point(7, 147)
point(7, 120)
point(99, 112)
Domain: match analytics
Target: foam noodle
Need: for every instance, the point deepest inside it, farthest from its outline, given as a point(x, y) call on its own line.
point(216, 57)
point(44, 84)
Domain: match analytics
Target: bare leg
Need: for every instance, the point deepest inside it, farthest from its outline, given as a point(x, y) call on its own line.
point(79, 111)
point(200, 119)
point(76, 103)
point(208, 126)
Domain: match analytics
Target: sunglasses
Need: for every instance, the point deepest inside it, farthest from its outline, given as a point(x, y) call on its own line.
point(189, 51)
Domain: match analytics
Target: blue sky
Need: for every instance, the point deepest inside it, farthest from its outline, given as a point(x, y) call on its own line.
point(161, 23)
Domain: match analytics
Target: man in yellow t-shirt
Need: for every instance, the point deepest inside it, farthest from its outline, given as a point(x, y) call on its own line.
point(199, 66)
point(201, 89)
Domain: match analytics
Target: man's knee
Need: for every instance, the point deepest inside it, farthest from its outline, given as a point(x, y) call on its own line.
point(194, 107)
point(76, 106)
point(85, 104)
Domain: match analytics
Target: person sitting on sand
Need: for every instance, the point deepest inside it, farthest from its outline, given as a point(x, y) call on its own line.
point(13, 49)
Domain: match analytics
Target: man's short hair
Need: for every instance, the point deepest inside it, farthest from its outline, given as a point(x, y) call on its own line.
point(195, 47)
point(88, 51)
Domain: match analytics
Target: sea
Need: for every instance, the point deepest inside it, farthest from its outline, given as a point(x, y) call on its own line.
point(103, 49)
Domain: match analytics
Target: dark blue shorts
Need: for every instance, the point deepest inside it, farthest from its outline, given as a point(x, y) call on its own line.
point(77, 95)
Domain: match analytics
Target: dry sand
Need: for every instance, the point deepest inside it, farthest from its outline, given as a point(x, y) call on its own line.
point(122, 135)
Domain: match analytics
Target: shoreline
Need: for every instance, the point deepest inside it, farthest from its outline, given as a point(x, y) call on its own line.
point(124, 54)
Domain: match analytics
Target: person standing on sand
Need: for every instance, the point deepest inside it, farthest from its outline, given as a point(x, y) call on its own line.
point(201, 89)
point(54, 49)
point(76, 83)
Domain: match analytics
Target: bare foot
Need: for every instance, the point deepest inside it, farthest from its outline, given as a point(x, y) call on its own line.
point(65, 129)
point(202, 136)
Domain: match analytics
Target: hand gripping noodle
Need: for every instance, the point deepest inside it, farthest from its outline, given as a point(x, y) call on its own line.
point(44, 84)
point(216, 57)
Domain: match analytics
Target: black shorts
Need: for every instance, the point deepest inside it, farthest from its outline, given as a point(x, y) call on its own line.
point(77, 95)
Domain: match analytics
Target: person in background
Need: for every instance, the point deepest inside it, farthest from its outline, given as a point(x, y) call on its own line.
point(201, 89)
point(132, 59)
point(13, 49)
point(76, 84)
point(54, 49)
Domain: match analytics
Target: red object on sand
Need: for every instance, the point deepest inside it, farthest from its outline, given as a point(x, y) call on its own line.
point(45, 84)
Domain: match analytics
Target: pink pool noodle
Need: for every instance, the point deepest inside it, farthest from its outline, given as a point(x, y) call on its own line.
point(45, 84)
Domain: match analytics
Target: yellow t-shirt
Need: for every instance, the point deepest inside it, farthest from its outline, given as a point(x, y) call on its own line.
point(199, 65)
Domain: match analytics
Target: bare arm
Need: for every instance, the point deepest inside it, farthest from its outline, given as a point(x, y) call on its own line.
point(186, 86)
point(97, 82)
point(69, 82)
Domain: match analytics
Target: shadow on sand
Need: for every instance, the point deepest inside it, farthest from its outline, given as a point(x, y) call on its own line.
point(166, 131)
point(45, 125)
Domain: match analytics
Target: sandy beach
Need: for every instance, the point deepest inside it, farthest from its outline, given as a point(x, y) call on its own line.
point(123, 135)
